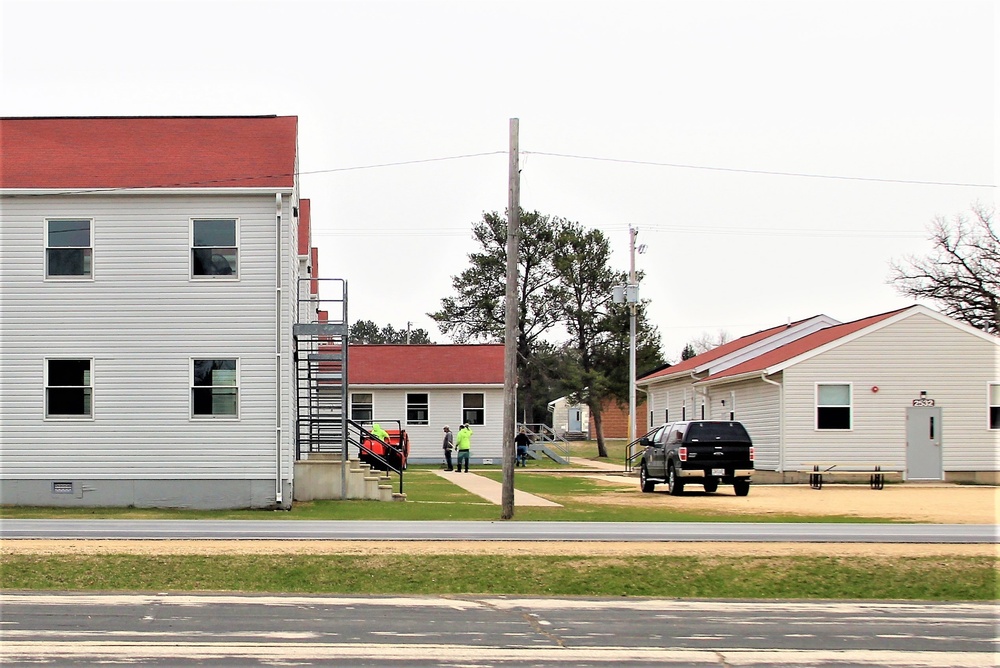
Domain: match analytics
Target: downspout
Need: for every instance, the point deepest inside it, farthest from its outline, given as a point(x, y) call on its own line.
point(695, 392)
point(277, 350)
point(781, 420)
point(649, 406)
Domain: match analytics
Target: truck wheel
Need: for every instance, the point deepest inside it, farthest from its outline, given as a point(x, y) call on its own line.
point(741, 487)
point(644, 482)
point(674, 486)
point(711, 486)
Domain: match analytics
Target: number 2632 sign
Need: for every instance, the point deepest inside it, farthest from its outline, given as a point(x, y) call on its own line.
point(923, 402)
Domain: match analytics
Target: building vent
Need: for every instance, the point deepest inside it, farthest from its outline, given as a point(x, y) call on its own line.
point(62, 488)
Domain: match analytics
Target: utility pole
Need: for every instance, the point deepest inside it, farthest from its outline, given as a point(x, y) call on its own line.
point(632, 296)
point(629, 293)
point(510, 326)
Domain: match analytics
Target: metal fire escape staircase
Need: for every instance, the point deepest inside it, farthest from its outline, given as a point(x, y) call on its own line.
point(320, 340)
point(324, 429)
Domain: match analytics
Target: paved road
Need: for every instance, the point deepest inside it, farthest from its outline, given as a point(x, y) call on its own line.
point(487, 531)
point(213, 630)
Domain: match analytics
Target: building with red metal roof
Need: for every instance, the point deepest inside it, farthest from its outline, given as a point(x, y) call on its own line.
point(910, 390)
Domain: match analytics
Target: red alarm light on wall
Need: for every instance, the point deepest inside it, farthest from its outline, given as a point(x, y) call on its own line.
point(874, 388)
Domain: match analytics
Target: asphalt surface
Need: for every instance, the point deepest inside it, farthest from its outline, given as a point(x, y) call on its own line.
point(69, 629)
point(497, 531)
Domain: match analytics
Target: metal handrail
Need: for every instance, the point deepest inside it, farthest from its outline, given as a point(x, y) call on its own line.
point(634, 450)
point(549, 436)
point(363, 435)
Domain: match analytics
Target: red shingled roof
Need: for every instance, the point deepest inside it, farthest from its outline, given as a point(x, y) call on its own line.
point(803, 345)
point(719, 351)
point(148, 152)
point(426, 365)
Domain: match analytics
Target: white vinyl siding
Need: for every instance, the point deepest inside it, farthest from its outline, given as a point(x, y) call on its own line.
point(917, 354)
point(142, 320)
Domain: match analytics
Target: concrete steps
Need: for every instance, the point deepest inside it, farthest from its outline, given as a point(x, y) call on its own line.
point(320, 477)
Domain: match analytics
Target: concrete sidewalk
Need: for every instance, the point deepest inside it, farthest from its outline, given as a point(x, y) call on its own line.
point(582, 462)
point(492, 490)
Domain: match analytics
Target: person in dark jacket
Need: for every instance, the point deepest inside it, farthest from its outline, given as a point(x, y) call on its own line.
point(522, 441)
point(449, 445)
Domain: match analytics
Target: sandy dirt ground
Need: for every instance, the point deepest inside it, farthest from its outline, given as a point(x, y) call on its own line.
point(932, 503)
point(945, 504)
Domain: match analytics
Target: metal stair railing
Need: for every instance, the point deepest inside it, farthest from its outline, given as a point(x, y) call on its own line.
point(634, 450)
point(320, 340)
point(544, 440)
point(358, 436)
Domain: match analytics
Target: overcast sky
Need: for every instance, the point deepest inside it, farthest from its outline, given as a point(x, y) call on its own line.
point(673, 111)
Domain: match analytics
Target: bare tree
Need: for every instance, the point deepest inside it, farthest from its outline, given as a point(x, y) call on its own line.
point(707, 342)
point(962, 272)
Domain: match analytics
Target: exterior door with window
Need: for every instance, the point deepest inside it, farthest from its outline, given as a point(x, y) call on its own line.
point(575, 419)
point(923, 443)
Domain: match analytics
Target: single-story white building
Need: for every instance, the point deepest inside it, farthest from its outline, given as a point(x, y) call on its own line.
point(570, 420)
point(424, 388)
point(912, 390)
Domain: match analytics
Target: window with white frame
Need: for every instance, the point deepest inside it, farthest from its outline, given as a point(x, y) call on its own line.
point(69, 250)
point(417, 409)
point(362, 408)
point(474, 408)
point(214, 388)
point(69, 388)
point(214, 248)
point(994, 399)
point(833, 406)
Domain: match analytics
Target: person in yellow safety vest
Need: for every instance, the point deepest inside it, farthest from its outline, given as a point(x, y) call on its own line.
point(380, 433)
point(463, 443)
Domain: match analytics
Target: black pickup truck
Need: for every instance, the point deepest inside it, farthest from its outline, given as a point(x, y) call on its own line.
point(706, 452)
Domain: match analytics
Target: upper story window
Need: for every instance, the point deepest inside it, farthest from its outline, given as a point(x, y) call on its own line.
point(362, 408)
point(417, 408)
point(833, 406)
point(69, 250)
point(473, 408)
point(68, 388)
point(214, 388)
point(994, 399)
point(214, 247)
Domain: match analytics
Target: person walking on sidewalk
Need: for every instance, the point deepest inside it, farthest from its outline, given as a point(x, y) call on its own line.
point(449, 445)
point(463, 443)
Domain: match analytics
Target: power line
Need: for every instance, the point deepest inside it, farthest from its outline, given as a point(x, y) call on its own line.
point(401, 163)
point(729, 231)
point(465, 156)
point(761, 171)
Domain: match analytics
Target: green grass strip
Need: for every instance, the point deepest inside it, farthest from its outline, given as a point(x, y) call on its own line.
point(791, 577)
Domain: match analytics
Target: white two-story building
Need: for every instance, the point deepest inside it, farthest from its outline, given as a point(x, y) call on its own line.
point(149, 271)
